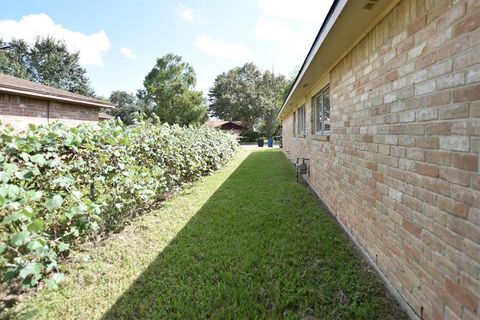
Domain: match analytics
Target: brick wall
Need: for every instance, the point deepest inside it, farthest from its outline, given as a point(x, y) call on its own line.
point(401, 168)
point(20, 111)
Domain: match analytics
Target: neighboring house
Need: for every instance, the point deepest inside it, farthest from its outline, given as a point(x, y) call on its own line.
point(387, 108)
point(23, 102)
point(230, 126)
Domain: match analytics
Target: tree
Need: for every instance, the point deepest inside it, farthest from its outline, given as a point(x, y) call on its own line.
point(48, 62)
point(169, 86)
point(273, 89)
point(247, 94)
point(127, 106)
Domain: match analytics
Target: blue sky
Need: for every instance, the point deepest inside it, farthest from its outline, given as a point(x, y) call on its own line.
point(119, 41)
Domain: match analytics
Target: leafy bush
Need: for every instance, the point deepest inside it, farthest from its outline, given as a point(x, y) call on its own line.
point(60, 185)
point(250, 136)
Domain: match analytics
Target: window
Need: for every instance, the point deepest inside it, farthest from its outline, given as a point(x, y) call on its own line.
point(321, 112)
point(294, 123)
point(301, 121)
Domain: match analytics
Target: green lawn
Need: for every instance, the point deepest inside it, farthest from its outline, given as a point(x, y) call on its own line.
point(247, 242)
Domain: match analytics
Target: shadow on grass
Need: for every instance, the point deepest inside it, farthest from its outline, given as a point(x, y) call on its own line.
point(261, 247)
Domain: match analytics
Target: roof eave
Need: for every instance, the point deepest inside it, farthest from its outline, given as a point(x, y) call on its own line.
point(331, 17)
point(34, 94)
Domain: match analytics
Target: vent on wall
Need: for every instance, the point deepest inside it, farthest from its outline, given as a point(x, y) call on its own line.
point(370, 4)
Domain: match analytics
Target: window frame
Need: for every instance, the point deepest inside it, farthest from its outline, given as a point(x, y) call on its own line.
point(294, 123)
point(302, 121)
point(322, 95)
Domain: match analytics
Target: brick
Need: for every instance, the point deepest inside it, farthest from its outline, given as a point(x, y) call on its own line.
point(390, 97)
point(440, 68)
point(426, 60)
point(465, 195)
point(470, 284)
point(426, 114)
point(437, 128)
point(436, 185)
point(416, 26)
point(472, 250)
point(416, 51)
point(412, 228)
point(452, 207)
point(466, 127)
point(454, 143)
point(467, 59)
point(465, 162)
point(473, 75)
point(425, 87)
point(408, 116)
point(467, 25)
point(450, 80)
point(427, 169)
point(455, 176)
point(465, 297)
point(454, 111)
point(427, 142)
point(452, 49)
point(415, 154)
point(438, 98)
point(452, 16)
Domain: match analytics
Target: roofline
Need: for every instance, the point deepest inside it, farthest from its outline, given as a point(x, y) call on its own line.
point(37, 94)
point(321, 35)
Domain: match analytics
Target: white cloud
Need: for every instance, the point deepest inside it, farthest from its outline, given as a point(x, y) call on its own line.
point(303, 10)
point(189, 14)
point(127, 53)
point(275, 31)
point(91, 46)
point(225, 50)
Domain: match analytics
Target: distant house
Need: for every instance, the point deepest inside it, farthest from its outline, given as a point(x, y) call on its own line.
point(231, 126)
point(23, 102)
point(386, 107)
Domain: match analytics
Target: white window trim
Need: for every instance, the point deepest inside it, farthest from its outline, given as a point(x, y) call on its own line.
point(322, 130)
point(302, 117)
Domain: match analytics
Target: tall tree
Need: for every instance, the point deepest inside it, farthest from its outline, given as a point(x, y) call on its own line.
point(127, 106)
point(170, 87)
point(273, 91)
point(247, 94)
point(48, 62)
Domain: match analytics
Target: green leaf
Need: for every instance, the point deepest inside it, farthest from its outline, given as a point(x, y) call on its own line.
point(20, 238)
point(54, 281)
point(34, 245)
point(3, 247)
point(31, 268)
point(38, 159)
point(63, 182)
point(36, 226)
point(54, 202)
point(26, 174)
point(14, 217)
point(63, 247)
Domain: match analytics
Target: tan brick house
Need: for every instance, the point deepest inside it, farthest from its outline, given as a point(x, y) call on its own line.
point(387, 108)
point(23, 102)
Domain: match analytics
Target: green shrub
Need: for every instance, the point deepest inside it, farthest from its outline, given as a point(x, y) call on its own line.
point(250, 136)
point(60, 185)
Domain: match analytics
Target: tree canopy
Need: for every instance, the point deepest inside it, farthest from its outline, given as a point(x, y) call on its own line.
point(249, 95)
point(127, 106)
point(48, 62)
point(169, 86)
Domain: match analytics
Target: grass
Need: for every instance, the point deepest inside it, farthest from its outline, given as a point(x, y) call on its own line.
point(247, 242)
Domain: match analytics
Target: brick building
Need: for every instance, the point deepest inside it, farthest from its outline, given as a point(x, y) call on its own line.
point(23, 102)
point(387, 108)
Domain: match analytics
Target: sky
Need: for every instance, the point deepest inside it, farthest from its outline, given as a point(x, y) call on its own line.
point(119, 41)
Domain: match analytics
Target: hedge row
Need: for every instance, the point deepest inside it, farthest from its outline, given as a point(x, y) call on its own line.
point(60, 185)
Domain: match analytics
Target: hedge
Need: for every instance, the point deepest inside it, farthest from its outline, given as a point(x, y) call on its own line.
point(59, 186)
